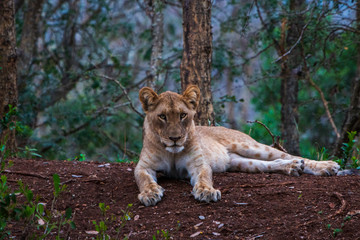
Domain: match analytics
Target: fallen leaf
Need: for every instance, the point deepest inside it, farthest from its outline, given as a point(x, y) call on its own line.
point(353, 213)
point(198, 225)
point(41, 222)
point(195, 234)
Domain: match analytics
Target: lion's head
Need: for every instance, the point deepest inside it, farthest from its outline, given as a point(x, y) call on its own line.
point(170, 115)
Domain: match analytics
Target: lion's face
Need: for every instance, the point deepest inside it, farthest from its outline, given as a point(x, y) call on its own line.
point(170, 115)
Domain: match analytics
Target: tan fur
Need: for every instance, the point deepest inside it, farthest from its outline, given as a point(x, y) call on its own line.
point(174, 145)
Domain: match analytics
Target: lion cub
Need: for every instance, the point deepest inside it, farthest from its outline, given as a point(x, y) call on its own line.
point(174, 145)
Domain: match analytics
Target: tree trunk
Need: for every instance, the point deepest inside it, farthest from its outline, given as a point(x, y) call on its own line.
point(157, 32)
point(8, 91)
point(231, 104)
point(289, 82)
point(352, 118)
point(196, 60)
point(29, 35)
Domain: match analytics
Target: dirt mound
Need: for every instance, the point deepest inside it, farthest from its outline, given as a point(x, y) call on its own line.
point(253, 206)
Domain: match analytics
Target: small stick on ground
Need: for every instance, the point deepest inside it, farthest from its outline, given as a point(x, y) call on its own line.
point(26, 174)
point(83, 180)
point(276, 139)
point(264, 185)
point(342, 207)
point(340, 210)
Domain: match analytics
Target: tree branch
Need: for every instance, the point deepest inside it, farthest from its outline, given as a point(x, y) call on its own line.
point(125, 92)
point(277, 45)
point(322, 96)
point(129, 153)
point(296, 43)
point(276, 139)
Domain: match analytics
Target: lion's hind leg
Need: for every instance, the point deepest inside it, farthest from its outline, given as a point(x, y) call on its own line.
point(256, 150)
point(293, 167)
point(252, 150)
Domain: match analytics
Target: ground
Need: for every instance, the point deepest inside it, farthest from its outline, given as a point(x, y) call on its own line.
point(253, 206)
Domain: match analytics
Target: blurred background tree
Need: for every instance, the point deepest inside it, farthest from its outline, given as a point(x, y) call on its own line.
point(290, 64)
point(8, 91)
point(195, 65)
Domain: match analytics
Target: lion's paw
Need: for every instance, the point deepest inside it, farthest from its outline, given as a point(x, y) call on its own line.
point(323, 168)
point(293, 167)
point(206, 194)
point(296, 167)
point(151, 195)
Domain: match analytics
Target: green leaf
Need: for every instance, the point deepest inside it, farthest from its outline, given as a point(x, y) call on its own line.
point(72, 225)
point(29, 195)
point(40, 208)
point(56, 180)
point(68, 213)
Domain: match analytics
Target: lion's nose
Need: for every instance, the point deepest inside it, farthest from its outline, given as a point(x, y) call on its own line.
point(174, 138)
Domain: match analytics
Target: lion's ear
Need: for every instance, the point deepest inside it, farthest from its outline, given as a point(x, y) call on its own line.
point(147, 98)
point(192, 95)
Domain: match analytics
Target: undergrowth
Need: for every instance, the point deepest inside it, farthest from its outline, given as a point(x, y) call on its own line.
point(350, 153)
point(102, 228)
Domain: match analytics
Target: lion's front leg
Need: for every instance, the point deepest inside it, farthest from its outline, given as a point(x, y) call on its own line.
point(201, 179)
point(150, 191)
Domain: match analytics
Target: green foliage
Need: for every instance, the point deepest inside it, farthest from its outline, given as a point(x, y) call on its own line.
point(6, 122)
point(102, 226)
point(164, 233)
point(320, 155)
point(80, 158)
point(350, 152)
point(28, 152)
point(31, 212)
point(161, 234)
point(4, 154)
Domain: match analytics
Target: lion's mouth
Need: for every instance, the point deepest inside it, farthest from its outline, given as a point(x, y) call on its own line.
point(174, 148)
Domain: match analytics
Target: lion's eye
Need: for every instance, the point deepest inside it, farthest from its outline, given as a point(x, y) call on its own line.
point(162, 116)
point(183, 115)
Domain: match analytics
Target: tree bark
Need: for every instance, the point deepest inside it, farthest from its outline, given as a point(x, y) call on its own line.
point(8, 91)
point(290, 73)
point(29, 35)
point(352, 118)
point(196, 60)
point(157, 32)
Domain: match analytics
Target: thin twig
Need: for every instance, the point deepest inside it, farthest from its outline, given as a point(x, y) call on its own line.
point(271, 134)
point(265, 185)
point(125, 92)
point(277, 45)
point(298, 40)
point(247, 18)
point(26, 174)
point(276, 139)
point(322, 96)
point(293, 46)
point(127, 152)
point(83, 180)
point(341, 209)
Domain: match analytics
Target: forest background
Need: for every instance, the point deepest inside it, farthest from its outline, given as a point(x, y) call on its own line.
point(293, 65)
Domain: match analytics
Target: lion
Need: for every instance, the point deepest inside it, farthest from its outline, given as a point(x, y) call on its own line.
point(172, 144)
